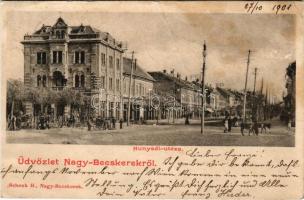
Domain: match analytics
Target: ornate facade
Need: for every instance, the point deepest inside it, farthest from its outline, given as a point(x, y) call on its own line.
point(61, 56)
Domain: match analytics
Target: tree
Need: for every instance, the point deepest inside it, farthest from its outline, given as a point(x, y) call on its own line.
point(15, 94)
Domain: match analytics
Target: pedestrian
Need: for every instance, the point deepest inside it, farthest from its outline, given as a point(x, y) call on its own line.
point(104, 124)
point(120, 123)
point(187, 120)
point(13, 122)
point(113, 123)
point(47, 121)
point(255, 127)
point(229, 124)
point(89, 124)
point(108, 124)
point(60, 120)
point(73, 120)
point(289, 126)
point(226, 126)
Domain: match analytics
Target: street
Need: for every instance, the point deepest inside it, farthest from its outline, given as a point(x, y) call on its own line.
point(172, 135)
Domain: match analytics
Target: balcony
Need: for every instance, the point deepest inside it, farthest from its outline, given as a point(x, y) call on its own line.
point(36, 37)
point(58, 88)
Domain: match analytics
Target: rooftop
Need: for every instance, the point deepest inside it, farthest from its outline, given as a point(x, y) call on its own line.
point(61, 30)
point(159, 75)
point(137, 71)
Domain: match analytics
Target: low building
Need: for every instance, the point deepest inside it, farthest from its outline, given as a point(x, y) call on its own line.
point(141, 92)
point(228, 101)
point(179, 97)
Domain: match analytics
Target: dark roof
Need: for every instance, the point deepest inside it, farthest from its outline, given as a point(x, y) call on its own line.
point(223, 92)
point(82, 30)
point(44, 30)
point(137, 71)
point(60, 23)
point(158, 76)
point(74, 32)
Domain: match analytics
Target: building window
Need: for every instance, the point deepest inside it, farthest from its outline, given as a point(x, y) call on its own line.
point(57, 57)
point(111, 61)
point(38, 80)
point(103, 59)
point(62, 34)
point(102, 82)
point(117, 64)
point(110, 84)
point(125, 86)
point(117, 85)
point(57, 34)
point(79, 57)
point(136, 91)
point(41, 57)
point(76, 81)
point(44, 81)
point(82, 80)
point(79, 81)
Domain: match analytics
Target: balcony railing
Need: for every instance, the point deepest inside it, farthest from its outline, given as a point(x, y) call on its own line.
point(58, 88)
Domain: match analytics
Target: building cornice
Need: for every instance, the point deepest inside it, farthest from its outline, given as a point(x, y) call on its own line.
point(72, 41)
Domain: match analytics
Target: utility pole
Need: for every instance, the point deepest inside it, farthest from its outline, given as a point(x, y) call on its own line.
point(255, 105)
point(245, 91)
point(130, 84)
point(255, 76)
point(262, 86)
point(203, 88)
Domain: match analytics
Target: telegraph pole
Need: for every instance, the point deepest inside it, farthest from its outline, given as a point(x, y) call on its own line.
point(245, 92)
point(255, 76)
point(255, 104)
point(130, 83)
point(203, 88)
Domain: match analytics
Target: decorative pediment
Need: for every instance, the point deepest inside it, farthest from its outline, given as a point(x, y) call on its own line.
point(60, 23)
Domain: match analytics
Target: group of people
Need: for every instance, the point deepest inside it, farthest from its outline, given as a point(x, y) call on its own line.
point(43, 121)
point(229, 122)
point(103, 123)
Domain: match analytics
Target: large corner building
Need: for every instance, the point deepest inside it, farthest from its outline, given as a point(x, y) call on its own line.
point(62, 56)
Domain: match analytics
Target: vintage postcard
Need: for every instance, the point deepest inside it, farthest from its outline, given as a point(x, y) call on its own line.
point(152, 100)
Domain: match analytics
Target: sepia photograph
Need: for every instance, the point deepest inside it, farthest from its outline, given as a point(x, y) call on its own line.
point(152, 100)
point(174, 79)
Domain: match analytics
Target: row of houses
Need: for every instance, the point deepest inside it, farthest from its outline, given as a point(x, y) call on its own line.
point(93, 62)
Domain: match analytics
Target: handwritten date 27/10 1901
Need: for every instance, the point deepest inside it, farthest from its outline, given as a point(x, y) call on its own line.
point(255, 6)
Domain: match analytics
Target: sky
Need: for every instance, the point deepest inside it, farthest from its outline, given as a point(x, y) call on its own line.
point(174, 41)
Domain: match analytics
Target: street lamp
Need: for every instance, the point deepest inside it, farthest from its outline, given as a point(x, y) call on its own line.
point(203, 87)
point(149, 107)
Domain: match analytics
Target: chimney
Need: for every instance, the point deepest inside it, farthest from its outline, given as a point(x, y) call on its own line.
point(165, 71)
point(172, 72)
point(186, 78)
point(178, 75)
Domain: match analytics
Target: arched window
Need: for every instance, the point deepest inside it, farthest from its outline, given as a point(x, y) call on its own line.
point(76, 81)
point(82, 80)
point(44, 81)
point(38, 80)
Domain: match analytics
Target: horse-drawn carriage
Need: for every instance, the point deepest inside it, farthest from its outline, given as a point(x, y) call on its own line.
point(255, 127)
